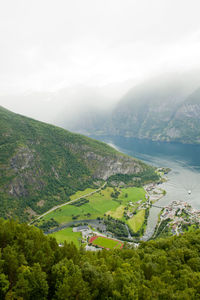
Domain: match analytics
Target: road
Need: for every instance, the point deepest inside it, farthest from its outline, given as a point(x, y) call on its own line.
point(67, 203)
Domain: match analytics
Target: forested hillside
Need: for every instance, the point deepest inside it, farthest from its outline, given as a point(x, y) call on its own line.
point(33, 266)
point(42, 165)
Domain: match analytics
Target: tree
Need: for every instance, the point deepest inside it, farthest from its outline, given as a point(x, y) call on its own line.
point(4, 285)
point(32, 283)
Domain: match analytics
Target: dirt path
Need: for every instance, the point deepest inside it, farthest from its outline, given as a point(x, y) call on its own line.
point(67, 203)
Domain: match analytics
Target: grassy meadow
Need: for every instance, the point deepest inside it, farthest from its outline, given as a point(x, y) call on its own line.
point(137, 220)
point(127, 195)
point(107, 243)
point(79, 194)
point(99, 204)
point(67, 235)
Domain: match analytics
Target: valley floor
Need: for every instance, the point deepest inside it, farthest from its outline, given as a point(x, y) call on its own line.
point(115, 212)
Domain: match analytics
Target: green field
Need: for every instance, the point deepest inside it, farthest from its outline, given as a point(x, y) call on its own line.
point(131, 194)
point(99, 204)
point(107, 243)
point(81, 193)
point(137, 220)
point(68, 235)
point(118, 213)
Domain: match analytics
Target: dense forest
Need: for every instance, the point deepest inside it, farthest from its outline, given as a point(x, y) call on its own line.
point(33, 266)
point(138, 179)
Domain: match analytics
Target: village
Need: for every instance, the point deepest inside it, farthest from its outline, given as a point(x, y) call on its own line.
point(177, 218)
point(154, 192)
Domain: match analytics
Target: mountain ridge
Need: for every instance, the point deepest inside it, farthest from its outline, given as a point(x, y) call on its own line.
point(161, 109)
point(42, 165)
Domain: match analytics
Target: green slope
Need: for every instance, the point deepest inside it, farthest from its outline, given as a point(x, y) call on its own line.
point(42, 165)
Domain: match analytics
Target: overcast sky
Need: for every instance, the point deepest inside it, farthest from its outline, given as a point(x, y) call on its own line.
point(48, 45)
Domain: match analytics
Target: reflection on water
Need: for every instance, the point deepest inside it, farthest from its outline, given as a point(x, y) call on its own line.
point(184, 160)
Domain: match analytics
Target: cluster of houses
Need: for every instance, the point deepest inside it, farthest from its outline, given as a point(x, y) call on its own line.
point(181, 214)
point(154, 192)
point(132, 207)
point(87, 233)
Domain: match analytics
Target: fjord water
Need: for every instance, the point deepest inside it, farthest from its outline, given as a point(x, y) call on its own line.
point(183, 160)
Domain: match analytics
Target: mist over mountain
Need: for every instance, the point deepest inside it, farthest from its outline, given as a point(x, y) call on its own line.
point(164, 108)
point(151, 109)
point(75, 108)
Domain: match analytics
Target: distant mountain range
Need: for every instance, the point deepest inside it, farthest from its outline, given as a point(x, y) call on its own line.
point(162, 109)
point(41, 165)
point(165, 110)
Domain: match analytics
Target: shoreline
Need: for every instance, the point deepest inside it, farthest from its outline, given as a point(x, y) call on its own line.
point(155, 193)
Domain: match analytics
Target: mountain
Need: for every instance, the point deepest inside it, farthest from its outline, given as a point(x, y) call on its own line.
point(185, 124)
point(164, 108)
point(72, 107)
point(42, 165)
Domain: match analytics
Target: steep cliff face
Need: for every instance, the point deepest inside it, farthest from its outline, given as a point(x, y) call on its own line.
point(165, 108)
point(25, 171)
point(103, 165)
point(146, 110)
point(185, 124)
point(42, 165)
point(163, 111)
point(108, 166)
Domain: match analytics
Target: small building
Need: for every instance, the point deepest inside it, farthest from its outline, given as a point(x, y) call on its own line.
point(80, 228)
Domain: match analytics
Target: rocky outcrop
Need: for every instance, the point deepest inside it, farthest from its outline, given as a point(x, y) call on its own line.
point(25, 172)
point(188, 110)
point(23, 159)
point(105, 166)
point(108, 166)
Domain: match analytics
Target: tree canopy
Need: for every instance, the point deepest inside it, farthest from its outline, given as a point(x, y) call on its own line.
point(33, 266)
